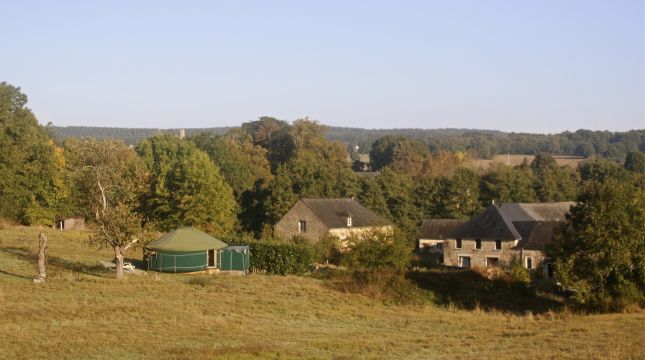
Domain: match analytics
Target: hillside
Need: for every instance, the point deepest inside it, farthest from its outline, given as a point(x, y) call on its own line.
point(485, 143)
point(82, 312)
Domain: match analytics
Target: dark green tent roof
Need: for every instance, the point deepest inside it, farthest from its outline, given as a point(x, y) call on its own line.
point(186, 239)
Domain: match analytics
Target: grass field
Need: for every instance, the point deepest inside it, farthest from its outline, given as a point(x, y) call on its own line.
point(81, 312)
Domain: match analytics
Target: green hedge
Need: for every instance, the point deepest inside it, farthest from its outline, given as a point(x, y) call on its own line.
point(276, 257)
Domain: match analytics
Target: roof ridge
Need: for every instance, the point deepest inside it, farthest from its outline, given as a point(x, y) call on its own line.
point(508, 223)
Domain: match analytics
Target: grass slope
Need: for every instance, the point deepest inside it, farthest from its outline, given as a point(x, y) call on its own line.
point(81, 312)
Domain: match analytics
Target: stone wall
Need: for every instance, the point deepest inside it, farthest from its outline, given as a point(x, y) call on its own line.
point(288, 226)
point(478, 256)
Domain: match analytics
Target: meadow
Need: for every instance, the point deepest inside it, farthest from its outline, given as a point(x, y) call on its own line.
point(81, 311)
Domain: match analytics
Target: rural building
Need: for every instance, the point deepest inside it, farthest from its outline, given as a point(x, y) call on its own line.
point(188, 250)
point(71, 223)
point(315, 218)
point(434, 232)
point(503, 232)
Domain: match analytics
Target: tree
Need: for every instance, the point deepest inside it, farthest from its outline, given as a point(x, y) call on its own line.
point(553, 183)
point(377, 249)
point(32, 187)
point(508, 184)
point(599, 252)
point(111, 180)
point(317, 168)
point(459, 195)
point(400, 153)
point(635, 161)
point(186, 187)
point(245, 167)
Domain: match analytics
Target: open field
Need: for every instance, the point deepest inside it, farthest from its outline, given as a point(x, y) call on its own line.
point(514, 160)
point(81, 312)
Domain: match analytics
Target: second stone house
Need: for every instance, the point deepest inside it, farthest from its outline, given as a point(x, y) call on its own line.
point(314, 218)
point(506, 231)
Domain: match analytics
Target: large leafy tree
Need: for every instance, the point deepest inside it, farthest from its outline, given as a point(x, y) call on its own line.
point(553, 183)
point(508, 184)
point(600, 252)
point(110, 179)
point(186, 187)
point(635, 161)
point(245, 167)
point(317, 168)
point(32, 186)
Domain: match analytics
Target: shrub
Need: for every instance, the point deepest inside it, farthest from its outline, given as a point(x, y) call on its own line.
point(388, 285)
point(377, 249)
point(276, 257)
point(518, 272)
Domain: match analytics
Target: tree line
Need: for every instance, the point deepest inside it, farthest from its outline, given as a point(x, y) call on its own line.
point(482, 144)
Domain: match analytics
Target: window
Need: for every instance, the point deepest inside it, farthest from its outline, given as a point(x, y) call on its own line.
point(457, 243)
point(349, 221)
point(464, 262)
point(439, 246)
point(302, 226)
point(529, 263)
point(478, 243)
point(498, 244)
point(492, 262)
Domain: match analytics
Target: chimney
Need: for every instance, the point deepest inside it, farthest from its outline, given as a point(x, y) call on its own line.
point(182, 134)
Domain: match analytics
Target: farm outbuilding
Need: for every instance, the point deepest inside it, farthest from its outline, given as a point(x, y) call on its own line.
point(188, 249)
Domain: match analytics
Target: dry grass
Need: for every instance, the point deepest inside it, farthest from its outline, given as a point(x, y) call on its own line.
point(514, 160)
point(81, 312)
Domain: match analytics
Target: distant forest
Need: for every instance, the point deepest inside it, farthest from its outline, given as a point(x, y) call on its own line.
point(483, 143)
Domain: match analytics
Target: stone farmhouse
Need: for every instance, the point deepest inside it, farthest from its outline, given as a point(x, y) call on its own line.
point(503, 232)
point(434, 232)
point(315, 218)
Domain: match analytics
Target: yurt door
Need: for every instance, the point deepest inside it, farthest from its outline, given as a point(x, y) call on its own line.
point(211, 258)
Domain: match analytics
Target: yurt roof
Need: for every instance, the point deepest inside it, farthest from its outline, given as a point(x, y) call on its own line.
point(187, 239)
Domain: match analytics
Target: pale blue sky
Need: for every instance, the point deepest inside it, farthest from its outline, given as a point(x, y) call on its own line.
point(514, 65)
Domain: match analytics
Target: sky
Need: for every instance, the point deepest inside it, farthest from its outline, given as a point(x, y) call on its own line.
point(540, 66)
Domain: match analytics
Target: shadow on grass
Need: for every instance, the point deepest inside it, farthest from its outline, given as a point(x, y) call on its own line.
point(15, 275)
point(53, 261)
point(468, 289)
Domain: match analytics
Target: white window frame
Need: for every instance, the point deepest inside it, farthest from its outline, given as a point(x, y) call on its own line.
point(302, 226)
point(349, 221)
point(526, 262)
point(460, 261)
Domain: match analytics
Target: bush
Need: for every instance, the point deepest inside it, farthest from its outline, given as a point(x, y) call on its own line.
point(518, 272)
point(377, 250)
point(276, 257)
point(388, 285)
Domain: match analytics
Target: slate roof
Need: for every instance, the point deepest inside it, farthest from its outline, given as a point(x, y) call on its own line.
point(490, 224)
point(541, 233)
point(439, 228)
point(333, 213)
point(533, 224)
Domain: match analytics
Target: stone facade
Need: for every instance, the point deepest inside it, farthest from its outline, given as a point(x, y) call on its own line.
point(289, 226)
point(313, 219)
point(483, 257)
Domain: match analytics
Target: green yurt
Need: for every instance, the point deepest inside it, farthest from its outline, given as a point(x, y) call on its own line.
point(185, 250)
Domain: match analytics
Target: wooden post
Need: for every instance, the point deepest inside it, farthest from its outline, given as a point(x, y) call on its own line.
point(42, 259)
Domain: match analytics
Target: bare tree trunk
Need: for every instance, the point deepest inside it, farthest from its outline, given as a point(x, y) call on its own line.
point(42, 259)
point(118, 254)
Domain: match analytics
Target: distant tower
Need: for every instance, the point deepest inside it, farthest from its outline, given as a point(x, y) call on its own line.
point(182, 133)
